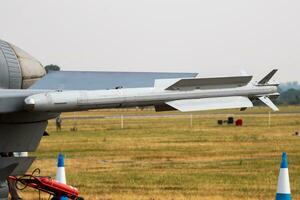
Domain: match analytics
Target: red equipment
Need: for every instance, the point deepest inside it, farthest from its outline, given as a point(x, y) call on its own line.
point(239, 122)
point(48, 185)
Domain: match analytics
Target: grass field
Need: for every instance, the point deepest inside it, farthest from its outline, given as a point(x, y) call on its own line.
point(173, 157)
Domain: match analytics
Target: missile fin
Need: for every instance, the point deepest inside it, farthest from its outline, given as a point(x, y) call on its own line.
point(268, 77)
point(266, 100)
point(211, 103)
point(207, 83)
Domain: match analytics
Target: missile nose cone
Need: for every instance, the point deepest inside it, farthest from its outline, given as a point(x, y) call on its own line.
point(29, 104)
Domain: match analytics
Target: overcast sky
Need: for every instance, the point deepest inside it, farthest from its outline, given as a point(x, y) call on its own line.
point(209, 37)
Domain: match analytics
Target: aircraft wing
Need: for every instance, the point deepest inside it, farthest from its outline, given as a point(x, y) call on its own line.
point(88, 80)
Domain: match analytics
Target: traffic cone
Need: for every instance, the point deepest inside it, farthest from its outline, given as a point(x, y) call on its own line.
point(60, 173)
point(283, 188)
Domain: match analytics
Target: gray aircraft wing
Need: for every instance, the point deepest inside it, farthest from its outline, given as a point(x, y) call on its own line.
point(85, 80)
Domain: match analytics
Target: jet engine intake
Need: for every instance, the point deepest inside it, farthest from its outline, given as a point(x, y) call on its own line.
point(18, 69)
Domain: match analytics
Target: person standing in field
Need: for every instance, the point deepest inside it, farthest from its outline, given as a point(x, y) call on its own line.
point(58, 122)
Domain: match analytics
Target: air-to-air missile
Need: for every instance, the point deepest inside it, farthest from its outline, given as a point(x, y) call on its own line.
point(185, 94)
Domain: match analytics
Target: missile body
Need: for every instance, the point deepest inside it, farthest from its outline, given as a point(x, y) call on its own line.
point(63, 101)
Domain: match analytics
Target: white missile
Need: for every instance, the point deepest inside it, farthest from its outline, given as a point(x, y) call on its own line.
point(187, 94)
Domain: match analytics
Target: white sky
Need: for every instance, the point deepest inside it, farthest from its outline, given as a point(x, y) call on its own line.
point(211, 37)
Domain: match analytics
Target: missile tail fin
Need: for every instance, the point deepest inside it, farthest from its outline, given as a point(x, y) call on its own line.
point(268, 77)
point(266, 100)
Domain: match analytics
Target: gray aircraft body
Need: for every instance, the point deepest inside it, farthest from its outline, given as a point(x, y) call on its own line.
point(29, 98)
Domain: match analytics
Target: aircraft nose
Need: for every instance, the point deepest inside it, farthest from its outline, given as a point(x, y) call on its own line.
point(29, 104)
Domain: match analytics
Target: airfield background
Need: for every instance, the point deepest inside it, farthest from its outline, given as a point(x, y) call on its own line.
point(140, 154)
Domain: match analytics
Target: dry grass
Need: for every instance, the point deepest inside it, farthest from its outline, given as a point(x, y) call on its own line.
point(165, 158)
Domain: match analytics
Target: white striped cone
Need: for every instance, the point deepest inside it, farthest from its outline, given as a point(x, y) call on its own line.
point(60, 173)
point(283, 188)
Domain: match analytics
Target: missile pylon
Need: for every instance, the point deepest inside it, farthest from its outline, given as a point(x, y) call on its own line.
point(283, 188)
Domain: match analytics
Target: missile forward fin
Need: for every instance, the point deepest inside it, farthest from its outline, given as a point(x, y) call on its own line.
point(202, 83)
point(266, 100)
point(211, 103)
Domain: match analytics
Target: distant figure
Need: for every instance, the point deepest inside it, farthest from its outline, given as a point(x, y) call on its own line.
point(58, 122)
